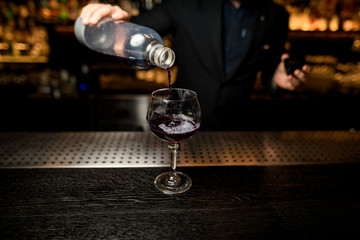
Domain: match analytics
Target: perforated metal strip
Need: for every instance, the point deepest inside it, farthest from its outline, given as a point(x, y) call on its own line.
point(142, 149)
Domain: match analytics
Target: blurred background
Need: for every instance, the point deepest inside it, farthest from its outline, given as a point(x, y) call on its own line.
point(50, 82)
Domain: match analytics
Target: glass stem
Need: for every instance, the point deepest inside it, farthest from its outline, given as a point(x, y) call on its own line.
point(173, 155)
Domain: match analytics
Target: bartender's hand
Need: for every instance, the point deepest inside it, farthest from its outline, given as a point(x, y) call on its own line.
point(292, 81)
point(93, 12)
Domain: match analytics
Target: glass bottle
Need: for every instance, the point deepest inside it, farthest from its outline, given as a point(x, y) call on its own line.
point(140, 47)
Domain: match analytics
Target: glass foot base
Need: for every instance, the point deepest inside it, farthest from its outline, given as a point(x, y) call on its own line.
point(173, 182)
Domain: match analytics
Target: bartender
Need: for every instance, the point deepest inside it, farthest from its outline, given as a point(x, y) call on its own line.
point(220, 46)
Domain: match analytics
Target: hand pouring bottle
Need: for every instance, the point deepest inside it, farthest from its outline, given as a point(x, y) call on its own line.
point(140, 47)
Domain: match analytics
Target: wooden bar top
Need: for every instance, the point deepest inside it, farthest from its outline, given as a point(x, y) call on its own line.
point(279, 201)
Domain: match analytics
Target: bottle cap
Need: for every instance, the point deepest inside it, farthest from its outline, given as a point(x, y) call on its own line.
point(163, 57)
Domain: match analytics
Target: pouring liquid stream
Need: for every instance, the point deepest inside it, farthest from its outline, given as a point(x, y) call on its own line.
point(171, 111)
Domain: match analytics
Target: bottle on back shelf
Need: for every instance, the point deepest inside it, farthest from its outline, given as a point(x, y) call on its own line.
point(140, 47)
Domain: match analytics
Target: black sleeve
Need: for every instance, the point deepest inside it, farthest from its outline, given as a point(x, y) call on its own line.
point(163, 18)
point(280, 34)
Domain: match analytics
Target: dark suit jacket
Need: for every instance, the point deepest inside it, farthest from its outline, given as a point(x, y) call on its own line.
point(197, 28)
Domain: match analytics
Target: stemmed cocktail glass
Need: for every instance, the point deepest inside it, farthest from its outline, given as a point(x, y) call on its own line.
point(173, 116)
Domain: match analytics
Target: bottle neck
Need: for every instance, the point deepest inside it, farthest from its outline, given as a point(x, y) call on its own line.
point(160, 56)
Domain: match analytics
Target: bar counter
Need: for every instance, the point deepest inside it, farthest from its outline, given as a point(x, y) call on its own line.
point(246, 185)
